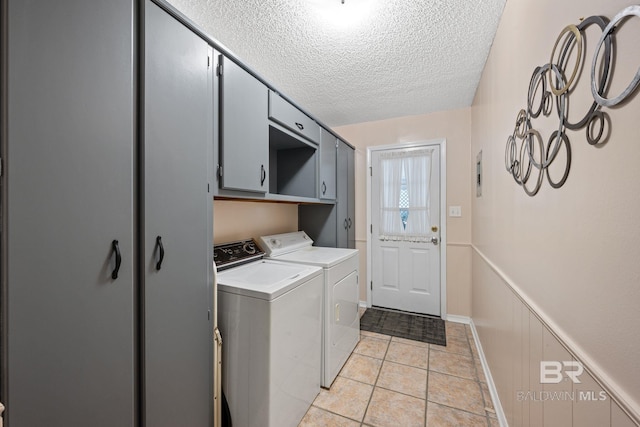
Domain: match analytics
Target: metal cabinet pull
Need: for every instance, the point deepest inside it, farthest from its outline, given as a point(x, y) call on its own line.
point(161, 250)
point(349, 222)
point(263, 175)
point(324, 188)
point(300, 126)
point(345, 223)
point(116, 249)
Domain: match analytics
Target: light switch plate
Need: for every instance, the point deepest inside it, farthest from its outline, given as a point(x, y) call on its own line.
point(455, 211)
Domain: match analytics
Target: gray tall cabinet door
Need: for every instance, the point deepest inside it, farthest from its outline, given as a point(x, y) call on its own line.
point(68, 325)
point(244, 138)
point(345, 201)
point(177, 238)
point(351, 198)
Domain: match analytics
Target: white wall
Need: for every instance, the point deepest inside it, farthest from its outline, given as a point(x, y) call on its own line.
point(568, 256)
point(238, 220)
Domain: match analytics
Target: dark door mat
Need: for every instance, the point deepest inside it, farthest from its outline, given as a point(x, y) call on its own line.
point(404, 325)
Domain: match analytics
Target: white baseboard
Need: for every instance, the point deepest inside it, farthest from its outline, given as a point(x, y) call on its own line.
point(362, 304)
point(458, 319)
point(502, 419)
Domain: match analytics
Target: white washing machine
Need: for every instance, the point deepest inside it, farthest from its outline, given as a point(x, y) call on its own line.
point(270, 318)
point(341, 321)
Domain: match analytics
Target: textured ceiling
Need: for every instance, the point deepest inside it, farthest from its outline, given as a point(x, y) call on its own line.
point(362, 60)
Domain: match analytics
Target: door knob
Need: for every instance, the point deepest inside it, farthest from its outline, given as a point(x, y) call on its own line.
point(435, 240)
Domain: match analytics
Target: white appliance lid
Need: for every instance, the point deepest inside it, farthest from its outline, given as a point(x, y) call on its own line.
point(278, 244)
point(265, 279)
point(320, 256)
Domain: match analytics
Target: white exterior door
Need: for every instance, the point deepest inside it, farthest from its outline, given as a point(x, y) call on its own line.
point(405, 234)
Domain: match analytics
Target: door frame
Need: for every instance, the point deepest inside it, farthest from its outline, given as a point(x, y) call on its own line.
point(442, 143)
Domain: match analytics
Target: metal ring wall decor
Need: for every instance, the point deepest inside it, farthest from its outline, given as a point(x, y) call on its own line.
point(549, 86)
point(606, 34)
point(567, 45)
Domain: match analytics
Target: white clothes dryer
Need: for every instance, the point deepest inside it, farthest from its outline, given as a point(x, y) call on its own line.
point(341, 320)
point(270, 319)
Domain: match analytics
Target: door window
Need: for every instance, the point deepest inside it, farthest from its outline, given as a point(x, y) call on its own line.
point(405, 177)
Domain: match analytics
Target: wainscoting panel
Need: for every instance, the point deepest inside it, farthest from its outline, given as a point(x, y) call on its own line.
point(515, 340)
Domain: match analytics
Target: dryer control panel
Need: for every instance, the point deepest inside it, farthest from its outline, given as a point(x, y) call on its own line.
point(279, 244)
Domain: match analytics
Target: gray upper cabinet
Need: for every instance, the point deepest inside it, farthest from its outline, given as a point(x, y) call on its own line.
point(289, 116)
point(178, 110)
point(345, 196)
point(328, 151)
point(69, 332)
point(244, 133)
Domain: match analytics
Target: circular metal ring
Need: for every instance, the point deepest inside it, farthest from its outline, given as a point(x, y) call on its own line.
point(510, 153)
point(524, 178)
point(578, 38)
point(628, 11)
point(530, 135)
point(599, 115)
point(522, 124)
point(563, 138)
point(562, 107)
point(516, 172)
point(538, 80)
point(548, 106)
point(602, 22)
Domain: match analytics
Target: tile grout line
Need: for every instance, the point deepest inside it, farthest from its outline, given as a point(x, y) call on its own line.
point(357, 381)
point(375, 383)
point(395, 363)
point(457, 409)
point(477, 381)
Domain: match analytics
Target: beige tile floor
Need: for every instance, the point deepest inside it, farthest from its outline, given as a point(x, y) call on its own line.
point(394, 382)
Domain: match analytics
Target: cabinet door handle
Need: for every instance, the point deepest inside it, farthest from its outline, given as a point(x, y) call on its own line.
point(160, 247)
point(349, 222)
point(300, 126)
point(263, 175)
point(345, 223)
point(324, 188)
point(116, 250)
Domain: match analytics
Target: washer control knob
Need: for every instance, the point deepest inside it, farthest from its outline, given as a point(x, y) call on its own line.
point(249, 248)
